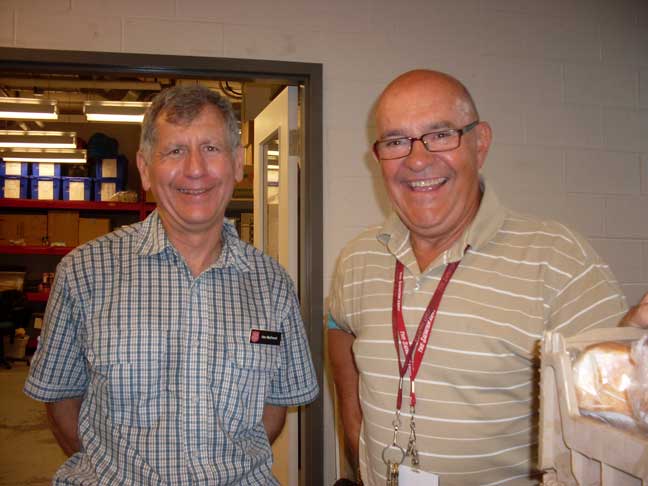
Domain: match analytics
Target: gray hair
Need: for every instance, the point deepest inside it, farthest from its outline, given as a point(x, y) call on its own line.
point(180, 106)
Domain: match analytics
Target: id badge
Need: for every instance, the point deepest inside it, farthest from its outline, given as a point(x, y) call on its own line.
point(415, 477)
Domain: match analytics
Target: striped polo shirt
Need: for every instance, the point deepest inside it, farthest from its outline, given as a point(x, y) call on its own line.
point(477, 389)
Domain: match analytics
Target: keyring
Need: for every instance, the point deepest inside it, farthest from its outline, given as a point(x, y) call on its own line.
point(395, 447)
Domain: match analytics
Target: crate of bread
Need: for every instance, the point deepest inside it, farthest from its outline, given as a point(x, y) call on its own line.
point(594, 408)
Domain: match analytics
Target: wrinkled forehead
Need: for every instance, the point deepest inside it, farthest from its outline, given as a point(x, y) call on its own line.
point(415, 108)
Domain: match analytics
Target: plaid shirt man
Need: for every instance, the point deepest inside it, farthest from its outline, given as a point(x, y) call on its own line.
point(173, 387)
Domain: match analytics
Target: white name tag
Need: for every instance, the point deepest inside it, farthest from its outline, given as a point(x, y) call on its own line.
point(415, 477)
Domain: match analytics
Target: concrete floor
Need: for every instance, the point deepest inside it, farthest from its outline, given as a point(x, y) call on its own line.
point(29, 455)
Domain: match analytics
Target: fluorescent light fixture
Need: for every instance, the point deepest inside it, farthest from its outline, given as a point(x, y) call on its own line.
point(57, 156)
point(115, 111)
point(28, 109)
point(37, 139)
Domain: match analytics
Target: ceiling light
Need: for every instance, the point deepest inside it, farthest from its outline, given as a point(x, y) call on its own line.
point(28, 108)
point(115, 111)
point(58, 156)
point(37, 139)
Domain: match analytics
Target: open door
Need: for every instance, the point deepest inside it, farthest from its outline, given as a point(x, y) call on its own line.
point(276, 230)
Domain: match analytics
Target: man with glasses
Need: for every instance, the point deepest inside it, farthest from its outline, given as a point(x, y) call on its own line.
point(435, 316)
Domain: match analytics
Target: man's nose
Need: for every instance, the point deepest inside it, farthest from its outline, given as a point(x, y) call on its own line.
point(194, 163)
point(419, 156)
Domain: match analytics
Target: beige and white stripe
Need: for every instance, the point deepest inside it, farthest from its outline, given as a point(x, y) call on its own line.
point(477, 388)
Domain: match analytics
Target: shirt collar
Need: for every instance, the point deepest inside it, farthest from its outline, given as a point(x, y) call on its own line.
point(154, 240)
point(489, 218)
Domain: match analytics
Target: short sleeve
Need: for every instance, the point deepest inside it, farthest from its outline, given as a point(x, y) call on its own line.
point(296, 381)
point(58, 370)
point(337, 313)
point(590, 299)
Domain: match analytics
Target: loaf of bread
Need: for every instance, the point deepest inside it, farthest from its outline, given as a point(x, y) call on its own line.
point(602, 374)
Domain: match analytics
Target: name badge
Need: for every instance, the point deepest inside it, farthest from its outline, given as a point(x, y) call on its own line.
point(415, 477)
point(262, 336)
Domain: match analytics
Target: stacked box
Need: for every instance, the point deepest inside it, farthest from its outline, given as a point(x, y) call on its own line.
point(105, 188)
point(45, 188)
point(14, 187)
point(76, 188)
point(31, 228)
point(14, 168)
point(46, 170)
point(63, 228)
point(91, 228)
point(110, 177)
point(111, 168)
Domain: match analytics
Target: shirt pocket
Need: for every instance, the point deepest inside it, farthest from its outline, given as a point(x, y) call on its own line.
point(240, 396)
point(136, 393)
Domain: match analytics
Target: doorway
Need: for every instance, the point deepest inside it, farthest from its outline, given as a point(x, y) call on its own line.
point(306, 76)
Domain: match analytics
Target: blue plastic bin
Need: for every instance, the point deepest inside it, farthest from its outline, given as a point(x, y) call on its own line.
point(13, 187)
point(115, 167)
point(45, 188)
point(105, 187)
point(76, 188)
point(14, 168)
point(41, 169)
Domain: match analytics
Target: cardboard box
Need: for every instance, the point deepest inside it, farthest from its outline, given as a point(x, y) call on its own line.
point(31, 229)
point(63, 227)
point(91, 228)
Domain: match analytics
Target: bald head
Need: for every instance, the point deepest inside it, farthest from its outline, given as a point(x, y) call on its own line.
point(432, 86)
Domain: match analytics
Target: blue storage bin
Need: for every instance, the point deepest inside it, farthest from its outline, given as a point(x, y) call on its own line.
point(76, 188)
point(41, 169)
point(114, 168)
point(14, 168)
point(45, 188)
point(105, 187)
point(13, 187)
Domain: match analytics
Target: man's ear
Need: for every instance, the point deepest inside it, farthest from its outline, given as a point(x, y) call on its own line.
point(484, 139)
point(143, 169)
point(239, 159)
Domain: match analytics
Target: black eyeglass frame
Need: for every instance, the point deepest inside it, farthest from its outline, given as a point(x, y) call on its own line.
point(454, 131)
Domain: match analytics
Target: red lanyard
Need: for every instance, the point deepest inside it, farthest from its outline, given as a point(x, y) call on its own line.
point(414, 353)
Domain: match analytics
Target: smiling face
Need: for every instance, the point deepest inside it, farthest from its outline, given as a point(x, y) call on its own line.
point(435, 194)
point(192, 171)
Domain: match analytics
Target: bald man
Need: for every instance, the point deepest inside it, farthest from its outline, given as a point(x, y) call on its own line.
point(435, 316)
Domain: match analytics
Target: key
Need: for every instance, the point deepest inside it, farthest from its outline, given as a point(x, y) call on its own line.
point(392, 474)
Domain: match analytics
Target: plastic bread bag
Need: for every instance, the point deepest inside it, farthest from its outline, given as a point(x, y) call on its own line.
point(603, 375)
point(638, 389)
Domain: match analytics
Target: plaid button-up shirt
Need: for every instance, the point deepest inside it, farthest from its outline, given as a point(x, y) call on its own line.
point(173, 390)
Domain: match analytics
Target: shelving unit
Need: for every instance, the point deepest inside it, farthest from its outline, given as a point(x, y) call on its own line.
point(143, 208)
point(140, 208)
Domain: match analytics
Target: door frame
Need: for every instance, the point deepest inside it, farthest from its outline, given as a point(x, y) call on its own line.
point(309, 75)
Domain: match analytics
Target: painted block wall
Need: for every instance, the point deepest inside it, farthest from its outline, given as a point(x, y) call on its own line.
point(564, 84)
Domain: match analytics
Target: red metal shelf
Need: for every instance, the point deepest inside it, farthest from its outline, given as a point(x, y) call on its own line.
point(78, 205)
point(35, 250)
point(37, 296)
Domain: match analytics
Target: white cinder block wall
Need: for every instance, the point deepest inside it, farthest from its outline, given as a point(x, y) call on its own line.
point(563, 82)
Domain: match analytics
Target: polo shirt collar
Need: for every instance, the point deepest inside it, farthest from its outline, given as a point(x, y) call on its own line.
point(153, 240)
point(489, 218)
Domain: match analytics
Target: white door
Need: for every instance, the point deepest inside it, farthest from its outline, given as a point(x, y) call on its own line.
point(276, 191)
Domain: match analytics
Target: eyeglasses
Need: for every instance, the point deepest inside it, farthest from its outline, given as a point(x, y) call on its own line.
point(439, 141)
